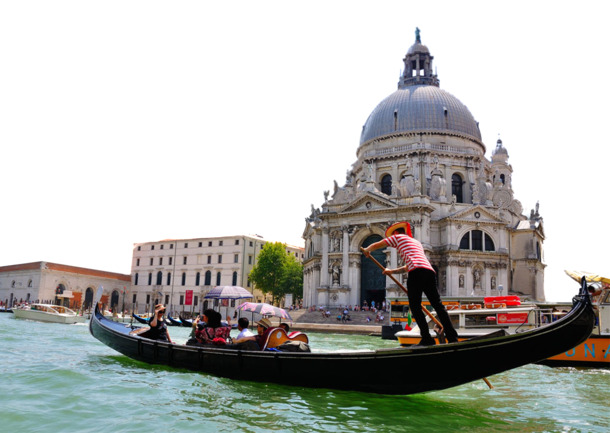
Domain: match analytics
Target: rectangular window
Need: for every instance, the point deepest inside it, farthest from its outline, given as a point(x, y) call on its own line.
point(236, 241)
point(140, 248)
point(219, 258)
point(161, 246)
point(148, 299)
point(166, 299)
point(186, 245)
point(220, 243)
point(138, 262)
point(250, 243)
point(171, 246)
point(160, 261)
point(152, 247)
point(134, 298)
point(209, 260)
point(249, 260)
point(171, 260)
point(184, 261)
point(195, 300)
point(209, 243)
point(236, 258)
point(181, 299)
point(200, 244)
point(151, 261)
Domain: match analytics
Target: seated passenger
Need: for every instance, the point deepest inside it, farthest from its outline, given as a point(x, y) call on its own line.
point(213, 332)
point(242, 325)
point(158, 327)
point(263, 328)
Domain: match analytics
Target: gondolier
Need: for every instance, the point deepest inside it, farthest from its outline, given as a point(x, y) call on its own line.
point(421, 278)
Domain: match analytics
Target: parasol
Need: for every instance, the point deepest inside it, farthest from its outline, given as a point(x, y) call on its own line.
point(264, 309)
point(228, 292)
point(591, 277)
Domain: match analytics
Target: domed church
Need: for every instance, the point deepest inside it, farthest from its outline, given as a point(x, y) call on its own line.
point(421, 159)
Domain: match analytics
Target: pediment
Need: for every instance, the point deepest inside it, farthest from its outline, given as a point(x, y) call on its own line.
point(478, 214)
point(368, 202)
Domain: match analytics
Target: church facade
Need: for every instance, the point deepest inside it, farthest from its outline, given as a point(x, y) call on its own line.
point(421, 159)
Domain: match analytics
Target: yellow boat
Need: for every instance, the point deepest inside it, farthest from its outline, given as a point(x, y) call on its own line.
point(475, 317)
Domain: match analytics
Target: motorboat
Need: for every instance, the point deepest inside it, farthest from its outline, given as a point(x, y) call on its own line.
point(48, 313)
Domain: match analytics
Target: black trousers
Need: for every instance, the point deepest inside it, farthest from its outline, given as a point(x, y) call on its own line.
point(420, 281)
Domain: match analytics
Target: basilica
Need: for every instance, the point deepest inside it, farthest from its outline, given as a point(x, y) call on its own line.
point(421, 159)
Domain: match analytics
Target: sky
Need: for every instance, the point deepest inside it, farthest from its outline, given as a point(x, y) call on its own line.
point(136, 121)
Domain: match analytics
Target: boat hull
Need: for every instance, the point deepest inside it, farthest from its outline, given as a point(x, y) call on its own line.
point(594, 352)
point(42, 316)
point(406, 370)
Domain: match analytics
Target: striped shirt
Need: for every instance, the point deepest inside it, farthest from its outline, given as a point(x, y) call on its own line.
point(411, 251)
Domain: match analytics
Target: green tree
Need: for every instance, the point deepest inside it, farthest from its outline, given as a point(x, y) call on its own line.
point(277, 273)
point(292, 279)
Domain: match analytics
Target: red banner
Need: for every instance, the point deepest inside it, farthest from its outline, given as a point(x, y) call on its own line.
point(512, 318)
point(188, 299)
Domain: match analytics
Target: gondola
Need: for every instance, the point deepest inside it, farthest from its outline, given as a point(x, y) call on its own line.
point(140, 319)
point(173, 322)
point(406, 370)
point(187, 323)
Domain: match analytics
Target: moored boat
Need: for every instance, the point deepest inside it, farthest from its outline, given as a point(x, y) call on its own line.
point(437, 367)
point(48, 313)
point(478, 317)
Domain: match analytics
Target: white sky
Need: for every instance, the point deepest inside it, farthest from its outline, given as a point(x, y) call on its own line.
point(136, 121)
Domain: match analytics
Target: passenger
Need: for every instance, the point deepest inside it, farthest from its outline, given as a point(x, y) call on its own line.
point(242, 325)
point(285, 326)
point(213, 332)
point(263, 328)
point(158, 327)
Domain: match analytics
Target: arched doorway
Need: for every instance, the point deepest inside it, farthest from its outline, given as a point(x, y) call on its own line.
point(114, 300)
point(59, 290)
point(88, 298)
point(372, 280)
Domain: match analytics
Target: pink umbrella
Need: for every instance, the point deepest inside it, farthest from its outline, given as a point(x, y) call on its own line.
point(264, 309)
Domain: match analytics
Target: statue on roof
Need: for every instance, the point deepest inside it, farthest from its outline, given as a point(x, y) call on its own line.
point(417, 37)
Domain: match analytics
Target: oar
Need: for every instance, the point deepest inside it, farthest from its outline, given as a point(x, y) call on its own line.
point(434, 319)
point(425, 310)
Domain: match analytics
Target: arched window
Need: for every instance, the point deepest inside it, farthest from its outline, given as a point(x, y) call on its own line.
point(208, 278)
point(169, 278)
point(234, 279)
point(197, 278)
point(386, 184)
point(476, 240)
point(135, 279)
point(456, 188)
point(159, 278)
point(218, 278)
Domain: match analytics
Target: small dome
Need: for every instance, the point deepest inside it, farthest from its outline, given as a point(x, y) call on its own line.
point(423, 108)
point(418, 48)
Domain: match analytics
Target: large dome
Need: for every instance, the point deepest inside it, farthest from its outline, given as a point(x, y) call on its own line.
point(420, 108)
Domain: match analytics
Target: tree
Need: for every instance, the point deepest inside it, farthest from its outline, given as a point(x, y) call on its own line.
point(292, 278)
point(277, 273)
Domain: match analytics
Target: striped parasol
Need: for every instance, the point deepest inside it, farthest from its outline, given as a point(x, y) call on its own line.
point(264, 309)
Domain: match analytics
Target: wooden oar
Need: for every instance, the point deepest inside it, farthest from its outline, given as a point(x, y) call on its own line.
point(425, 310)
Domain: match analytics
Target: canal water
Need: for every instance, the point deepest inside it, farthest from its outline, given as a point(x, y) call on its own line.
point(58, 378)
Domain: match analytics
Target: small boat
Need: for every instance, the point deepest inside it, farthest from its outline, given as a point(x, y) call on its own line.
point(48, 313)
point(173, 322)
point(187, 323)
point(595, 350)
point(142, 320)
point(437, 367)
point(475, 319)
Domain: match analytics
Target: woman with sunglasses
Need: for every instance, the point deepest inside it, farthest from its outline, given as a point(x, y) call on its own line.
point(158, 327)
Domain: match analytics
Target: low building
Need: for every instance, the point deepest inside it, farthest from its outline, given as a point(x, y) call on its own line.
point(179, 272)
point(58, 284)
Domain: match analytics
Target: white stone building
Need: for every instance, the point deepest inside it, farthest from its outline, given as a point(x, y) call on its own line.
point(58, 284)
point(421, 159)
point(179, 272)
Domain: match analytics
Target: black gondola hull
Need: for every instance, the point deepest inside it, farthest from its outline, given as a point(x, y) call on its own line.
point(405, 370)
